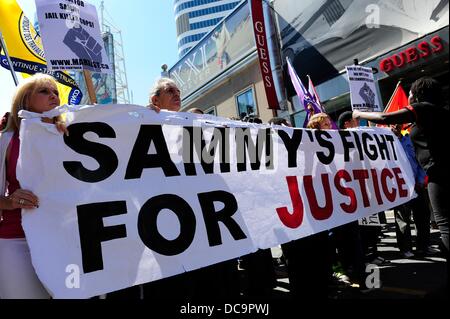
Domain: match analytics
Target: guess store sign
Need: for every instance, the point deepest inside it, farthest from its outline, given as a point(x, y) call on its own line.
point(422, 50)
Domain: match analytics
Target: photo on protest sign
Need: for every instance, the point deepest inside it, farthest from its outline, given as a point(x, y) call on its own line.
point(70, 33)
point(131, 196)
point(363, 93)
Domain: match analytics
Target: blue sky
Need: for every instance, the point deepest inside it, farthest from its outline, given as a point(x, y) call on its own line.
point(149, 39)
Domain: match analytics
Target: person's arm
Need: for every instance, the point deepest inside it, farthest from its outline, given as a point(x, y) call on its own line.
point(19, 199)
point(61, 125)
point(154, 108)
point(400, 117)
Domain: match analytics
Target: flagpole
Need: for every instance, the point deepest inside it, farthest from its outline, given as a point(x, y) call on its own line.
point(11, 66)
point(310, 83)
point(392, 97)
point(90, 86)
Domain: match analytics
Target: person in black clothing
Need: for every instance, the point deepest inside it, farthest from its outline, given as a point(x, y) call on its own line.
point(428, 134)
point(348, 238)
point(213, 282)
point(308, 258)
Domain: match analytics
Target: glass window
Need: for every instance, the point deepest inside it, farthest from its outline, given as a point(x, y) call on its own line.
point(211, 111)
point(299, 119)
point(246, 103)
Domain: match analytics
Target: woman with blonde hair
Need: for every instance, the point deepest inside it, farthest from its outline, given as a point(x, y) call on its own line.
point(18, 279)
point(320, 121)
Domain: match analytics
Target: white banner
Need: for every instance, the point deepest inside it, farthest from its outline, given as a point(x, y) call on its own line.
point(363, 92)
point(124, 199)
point(71, 37)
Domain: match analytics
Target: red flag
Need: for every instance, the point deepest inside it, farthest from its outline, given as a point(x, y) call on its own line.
point(399, 100)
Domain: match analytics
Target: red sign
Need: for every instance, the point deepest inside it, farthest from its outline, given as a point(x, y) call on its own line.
point(423, 50)
point(263, 53)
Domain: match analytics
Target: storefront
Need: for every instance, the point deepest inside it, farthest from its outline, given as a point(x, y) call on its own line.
point(428, 56)
point(400, 40)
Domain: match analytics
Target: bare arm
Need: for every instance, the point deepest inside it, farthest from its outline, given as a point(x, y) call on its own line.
point(19, 199)
point(402, 116)
point(61, 125)
point(154, 108)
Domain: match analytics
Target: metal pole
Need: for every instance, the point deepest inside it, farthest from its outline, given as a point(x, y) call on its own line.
point(11, 66)
point(90, 86)
point(102, 24)
point(393, 94)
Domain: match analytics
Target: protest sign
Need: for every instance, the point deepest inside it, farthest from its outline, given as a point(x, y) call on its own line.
point(26, 53)
point(131, 196)
point(373, 220)
point(71, 36)
point(363, 93)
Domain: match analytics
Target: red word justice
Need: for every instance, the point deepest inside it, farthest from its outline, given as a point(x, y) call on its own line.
point(381, 183)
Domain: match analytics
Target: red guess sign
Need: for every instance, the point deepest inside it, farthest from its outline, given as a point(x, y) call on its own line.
point(423, 50)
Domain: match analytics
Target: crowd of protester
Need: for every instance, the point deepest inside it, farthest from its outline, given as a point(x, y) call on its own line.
point(310, 261)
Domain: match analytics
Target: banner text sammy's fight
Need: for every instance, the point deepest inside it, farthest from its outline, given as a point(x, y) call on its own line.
point(194, 192)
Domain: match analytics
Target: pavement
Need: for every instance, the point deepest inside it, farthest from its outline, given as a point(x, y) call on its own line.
point(400, 278)
point(414, 280)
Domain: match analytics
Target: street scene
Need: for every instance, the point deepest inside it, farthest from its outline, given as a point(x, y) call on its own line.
point(400, 278)
point(224, 158)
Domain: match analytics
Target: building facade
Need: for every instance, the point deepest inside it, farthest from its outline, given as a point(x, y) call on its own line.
point(195, 18)
point(221, 74)
point(401, 40)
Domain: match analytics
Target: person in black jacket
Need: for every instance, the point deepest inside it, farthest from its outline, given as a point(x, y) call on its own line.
point(429, 135)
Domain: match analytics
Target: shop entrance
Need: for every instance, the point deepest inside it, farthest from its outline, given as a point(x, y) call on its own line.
point(437, 68)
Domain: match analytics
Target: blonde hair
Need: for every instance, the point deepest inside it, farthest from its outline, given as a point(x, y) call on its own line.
point(196, 110)
point(316, 120)
point(159, 85)
point(21, 98)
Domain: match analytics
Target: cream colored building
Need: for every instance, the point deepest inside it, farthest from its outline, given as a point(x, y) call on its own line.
point(224, 98)
point(224, 79)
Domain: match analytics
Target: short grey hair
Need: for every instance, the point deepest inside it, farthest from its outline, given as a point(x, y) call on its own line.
point(159, 85)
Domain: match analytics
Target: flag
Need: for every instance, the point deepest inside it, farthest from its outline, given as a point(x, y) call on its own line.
point(312, 91)
point(26, 51)
point(310, 104)
point(305, 98)
point(398, 101)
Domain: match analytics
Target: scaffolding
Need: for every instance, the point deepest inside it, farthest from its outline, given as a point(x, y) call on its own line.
point(120, 72)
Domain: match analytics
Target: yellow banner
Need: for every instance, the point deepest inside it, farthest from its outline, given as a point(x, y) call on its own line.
point(21, 38)
point(26, 51)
